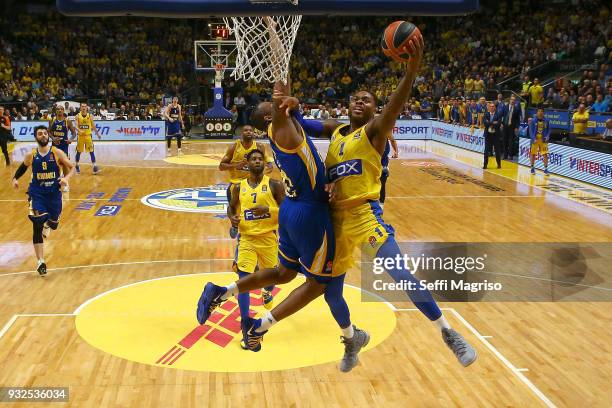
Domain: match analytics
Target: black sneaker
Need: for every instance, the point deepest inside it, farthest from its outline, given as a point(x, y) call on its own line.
point(42, 269)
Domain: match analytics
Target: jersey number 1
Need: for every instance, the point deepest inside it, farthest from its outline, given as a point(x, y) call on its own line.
point(254, 197)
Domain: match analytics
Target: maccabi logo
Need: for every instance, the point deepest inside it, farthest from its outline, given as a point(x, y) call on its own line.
point(210, 200)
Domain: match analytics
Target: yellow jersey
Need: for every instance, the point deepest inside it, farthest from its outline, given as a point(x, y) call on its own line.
point(84, 124)
point(250, 197)
point(580, 128)
point(240, 153)
point(355, 166)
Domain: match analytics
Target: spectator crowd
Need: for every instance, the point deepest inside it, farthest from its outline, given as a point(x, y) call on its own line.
point(129, 64)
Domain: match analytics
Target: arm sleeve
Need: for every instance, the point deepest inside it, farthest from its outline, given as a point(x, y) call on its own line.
point(313, 128)
point(20, 171)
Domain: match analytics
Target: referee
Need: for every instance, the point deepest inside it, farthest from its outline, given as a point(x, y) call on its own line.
point(5, 134)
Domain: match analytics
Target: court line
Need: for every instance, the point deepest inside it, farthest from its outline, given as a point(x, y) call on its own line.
point(466, 196)
point(13, 319)
point(504, 360)
point(120, 264)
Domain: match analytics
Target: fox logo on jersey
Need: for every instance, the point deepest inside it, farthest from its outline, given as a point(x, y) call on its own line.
point(249, 216)
point(347, 168)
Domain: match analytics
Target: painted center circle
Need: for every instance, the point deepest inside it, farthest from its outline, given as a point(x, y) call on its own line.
point(153, 322)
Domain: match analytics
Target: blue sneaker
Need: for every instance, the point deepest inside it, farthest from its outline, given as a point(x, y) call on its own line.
point(78, 169)
point(252, 338)
point(267, 298)
point(533, 170)
point(209, 301)
point(546, 173)
point(233, 232)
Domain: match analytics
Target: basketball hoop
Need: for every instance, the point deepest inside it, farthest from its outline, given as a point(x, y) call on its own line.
point(264, 46)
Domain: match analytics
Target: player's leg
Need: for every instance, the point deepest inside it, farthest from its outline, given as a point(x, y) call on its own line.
point(388, 248)
point(39, 216)
point(353, 338)
point(90, 148)
point(4, 147)
point(179, 141)
point(168, 143)
point(245, 261)
point(533, 150)
point(267, 258)
point(544, 152)
point(80, 148)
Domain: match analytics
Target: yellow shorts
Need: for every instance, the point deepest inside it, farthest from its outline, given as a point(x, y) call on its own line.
point(84, 144)
point(253, 250)
point(358, 227)
point(539, 145)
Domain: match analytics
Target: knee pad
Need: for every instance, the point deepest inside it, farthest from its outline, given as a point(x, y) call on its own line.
point(37, 236)
point(39, 219)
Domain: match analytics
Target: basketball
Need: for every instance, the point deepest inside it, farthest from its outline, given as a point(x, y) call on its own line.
point(395, 40)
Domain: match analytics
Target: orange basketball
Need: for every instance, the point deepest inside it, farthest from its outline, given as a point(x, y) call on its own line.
point(396, 37)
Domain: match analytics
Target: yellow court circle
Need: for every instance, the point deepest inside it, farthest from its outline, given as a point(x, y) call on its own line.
point(153, 322)
point(195, 159)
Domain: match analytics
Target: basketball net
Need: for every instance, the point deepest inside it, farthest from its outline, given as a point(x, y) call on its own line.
point(219, 71)
point(264, 46)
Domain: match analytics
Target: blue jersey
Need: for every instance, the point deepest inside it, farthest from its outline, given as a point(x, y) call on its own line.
point(45, 173)
point(59, 129)
point(174, 127)
point(385, 156)
point(302, 170)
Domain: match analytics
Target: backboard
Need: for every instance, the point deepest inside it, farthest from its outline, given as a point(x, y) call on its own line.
point(228, 8)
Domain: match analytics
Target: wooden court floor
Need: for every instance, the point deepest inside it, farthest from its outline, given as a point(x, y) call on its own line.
point(530, 354)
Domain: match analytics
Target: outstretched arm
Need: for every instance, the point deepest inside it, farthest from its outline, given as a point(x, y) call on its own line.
point(23, 167)
point(285, 133)
point(378, 129)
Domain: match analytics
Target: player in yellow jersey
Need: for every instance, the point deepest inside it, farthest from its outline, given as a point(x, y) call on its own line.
point(85, 126)
point(253, 209)
point(354, 167)
point(234, 161)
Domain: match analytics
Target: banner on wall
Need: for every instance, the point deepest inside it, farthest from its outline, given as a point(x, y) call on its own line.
point(460, 136)
point(579, 164)
point(562, 120)
point(119, 130)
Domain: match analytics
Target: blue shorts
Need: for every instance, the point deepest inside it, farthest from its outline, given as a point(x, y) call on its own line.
point(306, 239)
point(48, 205)
point(173, 128)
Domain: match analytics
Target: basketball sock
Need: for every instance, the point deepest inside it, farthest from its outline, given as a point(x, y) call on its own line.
point(230, 290)
point(442, 323)
point(335, 300)
point(244, 299)
point(41, 261)
point(179, 142)
point(421, 298)
point(266, 322)
point(348, 332)
point(93, 157)
point(77, 158)
point(269, 288)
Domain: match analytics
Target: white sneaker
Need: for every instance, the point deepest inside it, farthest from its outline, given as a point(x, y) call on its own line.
point(179, 153)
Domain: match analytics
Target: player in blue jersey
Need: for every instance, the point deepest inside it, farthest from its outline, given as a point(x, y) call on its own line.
point(392, 143)
point(44, 193)
point(306, 238)
point(174, 124)
point(59, 126)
